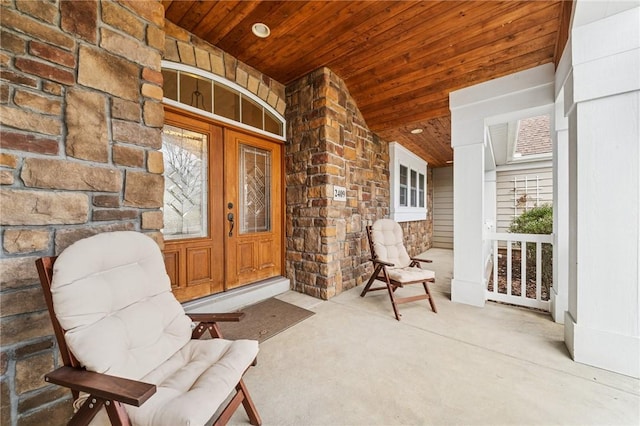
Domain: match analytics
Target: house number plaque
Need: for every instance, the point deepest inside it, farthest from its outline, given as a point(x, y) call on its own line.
point(339, 193)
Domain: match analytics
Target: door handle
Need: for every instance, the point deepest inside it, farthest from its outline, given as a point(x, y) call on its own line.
point(232, 222)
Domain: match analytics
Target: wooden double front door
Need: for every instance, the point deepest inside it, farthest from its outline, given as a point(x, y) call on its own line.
point(222, 206)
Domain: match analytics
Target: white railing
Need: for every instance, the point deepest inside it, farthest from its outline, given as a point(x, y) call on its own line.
point(509, 285)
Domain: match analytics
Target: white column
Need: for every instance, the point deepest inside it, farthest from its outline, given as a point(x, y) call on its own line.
point(559, 292)
point(490, 214)
point(471, 107)
point(602, 324)
point(467, 285)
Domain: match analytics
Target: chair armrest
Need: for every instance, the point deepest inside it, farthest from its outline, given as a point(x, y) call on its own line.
point(381, 262)
point(128, 391)
point(228, 317)
point(208, 322)
point(417, 259)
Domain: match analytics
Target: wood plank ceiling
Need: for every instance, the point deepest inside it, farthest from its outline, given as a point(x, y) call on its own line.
point(399, 59)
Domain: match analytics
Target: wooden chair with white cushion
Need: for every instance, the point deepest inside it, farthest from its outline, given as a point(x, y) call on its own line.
point(130, 353)
point(393, 265)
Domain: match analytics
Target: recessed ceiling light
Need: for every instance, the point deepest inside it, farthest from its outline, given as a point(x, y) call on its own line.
point(450, 162)
point(417, 131)
point(260, 30)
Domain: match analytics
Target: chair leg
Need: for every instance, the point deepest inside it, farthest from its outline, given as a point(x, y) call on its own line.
point(391, 289)
point(374, 276)
point(249, 407)
point(117, 414)
point(431, 301)
point(88, 411)
point(241, 396)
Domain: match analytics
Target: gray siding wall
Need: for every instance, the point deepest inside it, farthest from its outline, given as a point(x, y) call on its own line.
point(511, 188)
point(443, 207)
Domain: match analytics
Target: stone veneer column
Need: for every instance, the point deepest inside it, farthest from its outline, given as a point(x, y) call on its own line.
point(329, 144)
point(81, 115)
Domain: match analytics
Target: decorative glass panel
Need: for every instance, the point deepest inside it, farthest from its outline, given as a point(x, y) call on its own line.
point(403, 185)
point(255, 189)
point(414, 188)
point(226, 103)
point(185, 183)
point(195, 91)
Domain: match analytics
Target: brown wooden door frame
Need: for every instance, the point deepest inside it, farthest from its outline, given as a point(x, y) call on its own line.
point(213, 248)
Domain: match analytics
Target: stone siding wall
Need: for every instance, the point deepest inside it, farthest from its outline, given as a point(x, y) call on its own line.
point(329, 144)
point(81, 115)
point(186, 48)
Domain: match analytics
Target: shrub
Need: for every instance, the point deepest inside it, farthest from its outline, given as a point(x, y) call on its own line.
point(538, 220)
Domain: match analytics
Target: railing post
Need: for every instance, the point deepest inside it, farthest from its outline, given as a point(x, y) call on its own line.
point(523, 268)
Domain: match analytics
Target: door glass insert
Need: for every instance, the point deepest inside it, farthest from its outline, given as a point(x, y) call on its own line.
point(255, 189)
point(185, 184)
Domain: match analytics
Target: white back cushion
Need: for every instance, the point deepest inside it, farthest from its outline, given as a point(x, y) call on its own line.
point(112, 295)
point(388, 243)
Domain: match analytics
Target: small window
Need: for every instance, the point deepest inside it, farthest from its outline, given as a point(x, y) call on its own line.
point(408, 183)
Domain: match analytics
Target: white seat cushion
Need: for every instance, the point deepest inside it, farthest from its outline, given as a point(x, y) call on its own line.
point(410, 274)
point(113, 298)
point(388, 243)
point(194, 382)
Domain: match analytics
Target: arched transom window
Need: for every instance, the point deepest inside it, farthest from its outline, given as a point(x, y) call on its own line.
point(210, 95)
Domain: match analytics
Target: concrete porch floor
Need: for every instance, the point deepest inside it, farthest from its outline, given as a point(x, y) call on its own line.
point(352, 363)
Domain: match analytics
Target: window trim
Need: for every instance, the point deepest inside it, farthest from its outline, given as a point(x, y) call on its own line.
point(401, 156)
point(174, 66)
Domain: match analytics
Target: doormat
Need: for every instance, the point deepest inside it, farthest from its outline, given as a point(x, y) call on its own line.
point(264, 320)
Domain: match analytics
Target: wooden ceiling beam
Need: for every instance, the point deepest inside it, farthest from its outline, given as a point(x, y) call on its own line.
point(428, 107)
point(466, 50)
point(300, 30)
point(481, 67)
point(402, 43)
point(353, 37)
point(222, 19)
point(177, 10)
point(231, 39)
point(343, 19)
point(196, 13)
